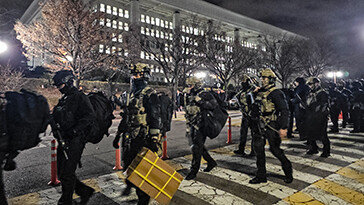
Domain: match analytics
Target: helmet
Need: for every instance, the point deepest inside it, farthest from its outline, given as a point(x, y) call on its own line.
point(356, 84)
point(63, 77)
point(313, 80)
point(300, 81)
point(268, 73)
point(141, 69)
point(194, 81)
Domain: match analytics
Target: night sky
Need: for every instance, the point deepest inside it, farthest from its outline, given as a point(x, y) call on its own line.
point(341, 21)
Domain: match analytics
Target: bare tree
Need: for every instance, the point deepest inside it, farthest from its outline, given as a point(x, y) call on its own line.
point(10, 79)
point(279, 54)
point(70, 34)
point(175, 51)
point(225, 56)
point(316, 56)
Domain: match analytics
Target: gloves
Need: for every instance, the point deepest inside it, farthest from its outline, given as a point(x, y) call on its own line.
point(154, 146)
point(116, 141)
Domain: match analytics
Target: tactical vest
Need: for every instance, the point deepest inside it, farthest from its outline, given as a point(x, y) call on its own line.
point(267, 107)
point(192, 110)
point(243, 100)
point(312, 96)
point(137, 112)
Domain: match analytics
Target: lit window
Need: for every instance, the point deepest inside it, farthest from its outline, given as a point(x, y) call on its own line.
point(170, 25)
point(147, 19)
point(166, 36)
point(162, 34)
point(108, 22)
point(121, 13)
point(183, 39)
point(170, 36)
point(162, 23)
point(126, 14)
point(120, 25)
point(102, 22)
point(157, 21)
point(152, 32)
point(114, 37)
point(152, 21)
point(147, 56)
point(120, 51)
point(114, 11)
point(120, 38)
point(114, 24)
point(107, 51)
point(142, 18)
point(102, 7)
point(157, 69)
point(108, 9)
point(147, 31)
point(142, 30)
point(113, 49)
point(126, 53)
point(202, 32)
point(166, 24)
point(142, 55)
point(195, 31)
point(101, 48)
point(126, 26)
point(183, 28)
point(157, 33)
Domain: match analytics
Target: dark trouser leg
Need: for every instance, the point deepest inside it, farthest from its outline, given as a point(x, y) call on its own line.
point(356, 119)
point(290, 125)
point(207, 157)
point(274, 146)
point(345, 110)
point(300, 123)
point(197, 148)
point(334, 115)
point(313, 145)
point(259, 143)
point(143, 198)
point(243, 134)
point(2, 188)
point(67, 168)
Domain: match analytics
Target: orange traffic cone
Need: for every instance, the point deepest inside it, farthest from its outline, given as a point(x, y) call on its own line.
point(54, 181)
point(117, 159)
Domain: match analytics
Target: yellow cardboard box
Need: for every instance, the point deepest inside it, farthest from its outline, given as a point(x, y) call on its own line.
point(155, 177)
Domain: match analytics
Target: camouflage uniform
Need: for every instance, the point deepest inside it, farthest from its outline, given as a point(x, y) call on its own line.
point(246, 99)
point(317, 112)
point(196, 101)
point(270, 114)
point(140, 124)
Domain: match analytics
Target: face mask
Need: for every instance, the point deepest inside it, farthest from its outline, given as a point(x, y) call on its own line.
point(138, 84)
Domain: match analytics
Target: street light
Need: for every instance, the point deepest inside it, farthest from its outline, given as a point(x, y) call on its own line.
point(201, 75)
point(3, 47)
point(335, 74)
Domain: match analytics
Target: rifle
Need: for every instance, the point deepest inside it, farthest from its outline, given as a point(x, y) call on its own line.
point(57, 134)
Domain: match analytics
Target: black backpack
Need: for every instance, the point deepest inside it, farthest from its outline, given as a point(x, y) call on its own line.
point(166, 112)
point(104, 115)
point(214, 120)
point(27, 115)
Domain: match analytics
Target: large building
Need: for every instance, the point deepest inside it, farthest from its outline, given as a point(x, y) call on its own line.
point(158, 18)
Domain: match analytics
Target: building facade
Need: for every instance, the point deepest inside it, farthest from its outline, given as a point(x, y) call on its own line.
point(160, 18)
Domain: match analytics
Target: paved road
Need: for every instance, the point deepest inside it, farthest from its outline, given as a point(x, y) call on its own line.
point(338, 179)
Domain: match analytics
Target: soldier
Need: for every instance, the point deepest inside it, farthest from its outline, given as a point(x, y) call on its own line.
point(345, 107)
point(336, 102)
point(140, 124)
point(196, 100)
point(300, 96)
point(270, 115)
point(317, 116)
point(246, 99)
point(72, 117)
point(3, 148)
